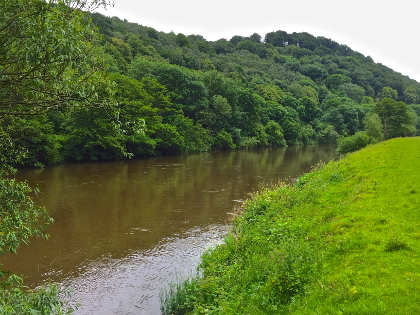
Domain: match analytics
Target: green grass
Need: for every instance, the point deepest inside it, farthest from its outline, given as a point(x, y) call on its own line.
point(345, 239)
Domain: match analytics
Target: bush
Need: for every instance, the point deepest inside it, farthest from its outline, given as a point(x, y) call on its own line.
point(223, 141)
point(141, 145)
point(327, 135)
point(353, 143)
point(41, 301)
point(36, 137)
point(249, 142)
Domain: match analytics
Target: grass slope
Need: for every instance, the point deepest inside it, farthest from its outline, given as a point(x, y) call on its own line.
point(345, 239)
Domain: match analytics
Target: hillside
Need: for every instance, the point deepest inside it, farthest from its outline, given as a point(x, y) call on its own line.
point(177, 94)
point(343, 240)
point(279, 56)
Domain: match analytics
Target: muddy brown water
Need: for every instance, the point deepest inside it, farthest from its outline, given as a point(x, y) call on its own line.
point(123, 231)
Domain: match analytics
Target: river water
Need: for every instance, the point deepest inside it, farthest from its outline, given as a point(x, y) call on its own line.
point(123, 231)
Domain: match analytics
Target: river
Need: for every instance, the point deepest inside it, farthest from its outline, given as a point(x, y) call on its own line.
point(124, 230)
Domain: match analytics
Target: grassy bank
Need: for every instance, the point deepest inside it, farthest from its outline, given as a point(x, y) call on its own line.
point(345, 239)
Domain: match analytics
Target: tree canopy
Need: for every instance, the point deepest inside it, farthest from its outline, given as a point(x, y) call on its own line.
point(131, 91)
point(50, 61)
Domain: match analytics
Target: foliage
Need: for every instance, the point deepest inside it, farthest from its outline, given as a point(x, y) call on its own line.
point(20, 221)
point(327, 134)
point(36, 135)
point(388, 92)
point(93, 134)
point(48, 56)
point(20, 218)
point(337, 241)
point(395, 118)
point(415, 109)
point(22, 301)
point(353, 143)
point(50, 59)
point(68, 93)
point(223, 141)
point(374, 127)
point(274, 134)
point(137, 92)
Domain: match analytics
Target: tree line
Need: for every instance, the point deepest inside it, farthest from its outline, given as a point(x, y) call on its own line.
point(170, 93)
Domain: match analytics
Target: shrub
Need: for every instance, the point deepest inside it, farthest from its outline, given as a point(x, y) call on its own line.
point(141, 145)
point(223, 141)
point(249, 142)
point(36, 137)
point(328, 135)
point(353, 143)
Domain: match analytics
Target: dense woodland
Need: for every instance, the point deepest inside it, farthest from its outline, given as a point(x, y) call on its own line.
point(78, 86)
point(172, 94)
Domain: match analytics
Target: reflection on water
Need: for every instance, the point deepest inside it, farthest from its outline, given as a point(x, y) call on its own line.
point(124, 230)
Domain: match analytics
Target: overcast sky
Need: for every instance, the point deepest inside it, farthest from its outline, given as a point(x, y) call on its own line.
point(386, 30)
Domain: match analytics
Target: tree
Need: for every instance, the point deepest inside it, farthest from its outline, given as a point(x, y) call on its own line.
point(94, 135)
point(308, 109)
point(275, 134)
point(395, 117)
point(353, 91)
point(182, 40)
point(222, 108)
point(388, 92)
point(373, 126)
point(335, 80)
point(123, 48)
point(412, 94)
point(256, 38)
point(415, 108)
point(276, 38)
point(222, 46)
point(48, 59)
point(48, 56)
point(249, 45)
point(223, 141)
point(314, 71)
point(236, 39)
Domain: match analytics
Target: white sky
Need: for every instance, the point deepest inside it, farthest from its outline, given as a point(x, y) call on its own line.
point(386, 30)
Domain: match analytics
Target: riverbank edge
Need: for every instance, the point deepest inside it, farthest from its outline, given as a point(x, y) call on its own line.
point(343, 239)
point(15, 169)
